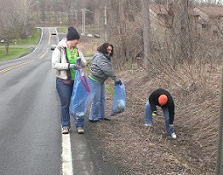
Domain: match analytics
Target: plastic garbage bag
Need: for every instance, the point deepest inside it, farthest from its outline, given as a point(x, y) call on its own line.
point(119, 100)
point(81, 97)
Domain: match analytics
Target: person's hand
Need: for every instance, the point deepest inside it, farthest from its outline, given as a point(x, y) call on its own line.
point(119, 82)
point(78, 60)
point(154, 113)
point(75, 66)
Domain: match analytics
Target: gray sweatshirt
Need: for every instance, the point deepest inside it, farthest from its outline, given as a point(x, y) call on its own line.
point(101, 68)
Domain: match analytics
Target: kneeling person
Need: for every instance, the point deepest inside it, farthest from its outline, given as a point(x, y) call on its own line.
point(162, 98)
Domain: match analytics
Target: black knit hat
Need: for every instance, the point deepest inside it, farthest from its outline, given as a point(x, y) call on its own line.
point(72, 34)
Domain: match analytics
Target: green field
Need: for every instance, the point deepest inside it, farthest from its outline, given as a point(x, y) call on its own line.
point(32, 40)
point(17, 52)
point(62, 29)
point(13, 53)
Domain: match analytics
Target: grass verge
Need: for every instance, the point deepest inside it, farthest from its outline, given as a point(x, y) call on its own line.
point(62, 29)
point(13, 53)
point(32, 40)
point(18, 52)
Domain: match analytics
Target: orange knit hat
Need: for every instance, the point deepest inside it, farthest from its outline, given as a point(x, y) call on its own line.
point(162, 99)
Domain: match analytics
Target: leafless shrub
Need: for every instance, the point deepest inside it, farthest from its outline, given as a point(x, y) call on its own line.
point(184, 55)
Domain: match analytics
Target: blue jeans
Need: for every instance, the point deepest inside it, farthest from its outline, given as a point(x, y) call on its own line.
point(98, 103)
point(65, 92)
point(79, 121)
point(149, 120)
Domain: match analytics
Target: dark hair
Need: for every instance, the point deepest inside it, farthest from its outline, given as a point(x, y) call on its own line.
point(103, 48)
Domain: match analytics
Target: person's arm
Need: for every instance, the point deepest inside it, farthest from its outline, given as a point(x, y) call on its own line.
point(56, 60)
point(152, 103)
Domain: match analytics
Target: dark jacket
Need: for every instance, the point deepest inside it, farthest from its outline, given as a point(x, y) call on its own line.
point(153, 100)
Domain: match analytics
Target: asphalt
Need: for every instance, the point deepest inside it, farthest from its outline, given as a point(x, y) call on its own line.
point(30, 139)
point(30, 133)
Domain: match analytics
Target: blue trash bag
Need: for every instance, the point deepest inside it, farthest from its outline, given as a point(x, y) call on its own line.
point(81, 96)
point(119, 101)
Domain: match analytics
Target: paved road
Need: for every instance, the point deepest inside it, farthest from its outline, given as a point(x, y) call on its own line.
point(30, 140)
point(30, 134)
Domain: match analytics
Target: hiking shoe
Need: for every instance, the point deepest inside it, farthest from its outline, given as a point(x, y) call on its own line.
point(80, 130)
point(173, 135)
point(65, 130)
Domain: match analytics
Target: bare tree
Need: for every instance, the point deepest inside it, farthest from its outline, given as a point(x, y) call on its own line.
point(146, 31)
point(15, 20)
point(24, 15)
point(8, 22)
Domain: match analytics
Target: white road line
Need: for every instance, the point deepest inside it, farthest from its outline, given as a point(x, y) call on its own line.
point(67, 166)
point(49, 36)
point(44, 53)
point(58, 40)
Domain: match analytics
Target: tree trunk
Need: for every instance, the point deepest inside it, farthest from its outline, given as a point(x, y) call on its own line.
point(186, 42)
point(122, 31)
point(7, 47)
point(146, 31)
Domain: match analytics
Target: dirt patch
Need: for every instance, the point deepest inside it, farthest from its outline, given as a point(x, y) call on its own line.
point(143, 150)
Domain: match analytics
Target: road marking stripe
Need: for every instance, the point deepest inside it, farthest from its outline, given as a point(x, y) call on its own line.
point(18, 65)
point(44, 53)
point(67, 166)
point(15, 66)
point(49, 37)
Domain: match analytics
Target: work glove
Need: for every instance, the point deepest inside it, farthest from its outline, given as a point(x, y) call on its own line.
point(74, 66)
point(78, 61)
point(119, 82)
point(81, 63)
point(154, 113)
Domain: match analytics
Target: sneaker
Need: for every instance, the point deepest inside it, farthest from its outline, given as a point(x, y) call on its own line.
point(173, 135)
point(80, 130)
point(65, 130)
point(150, 125)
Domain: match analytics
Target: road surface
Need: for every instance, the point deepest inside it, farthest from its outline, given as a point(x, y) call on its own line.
point(30, 135)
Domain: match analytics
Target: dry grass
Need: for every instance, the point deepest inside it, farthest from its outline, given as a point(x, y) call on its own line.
point(149, 151)
point(90, 47)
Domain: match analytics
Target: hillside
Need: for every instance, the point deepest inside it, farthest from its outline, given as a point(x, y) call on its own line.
point(143, 150)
